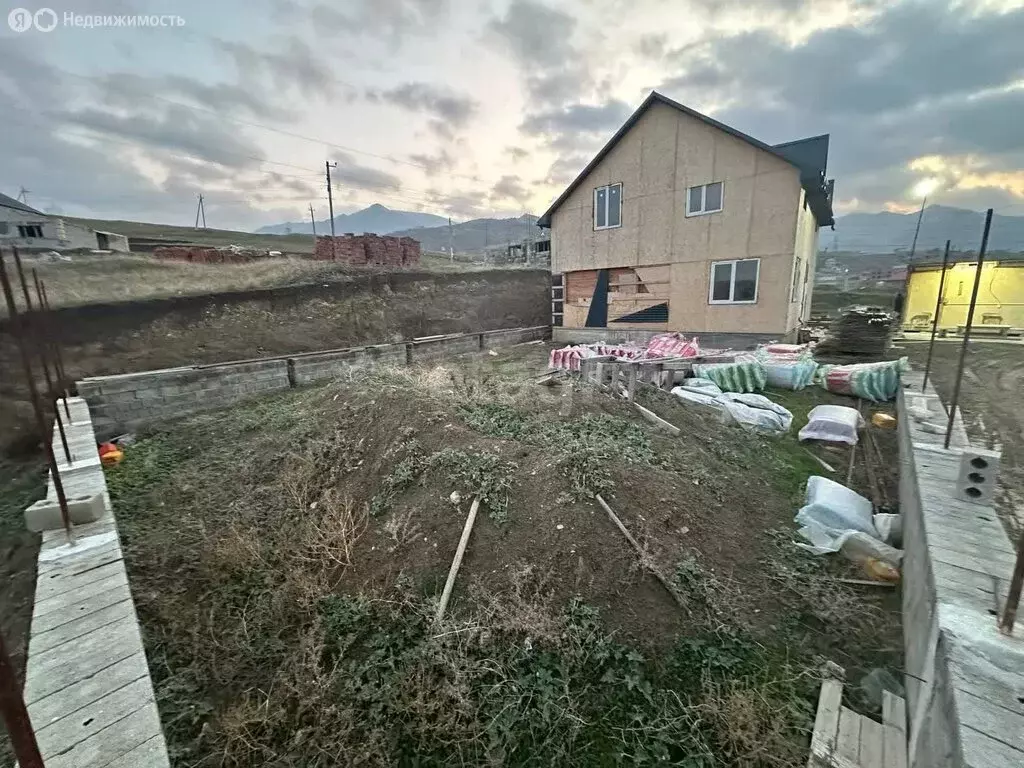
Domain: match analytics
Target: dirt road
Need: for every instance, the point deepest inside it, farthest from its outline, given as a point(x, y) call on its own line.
point(992, 402)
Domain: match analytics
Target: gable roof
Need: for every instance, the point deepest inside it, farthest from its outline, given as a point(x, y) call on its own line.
point(10, 202)
point(810, 156)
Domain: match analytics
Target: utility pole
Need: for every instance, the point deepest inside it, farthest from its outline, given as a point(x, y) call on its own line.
point(202, 207)
point(199, 207)
point(917, 229)
point(330, 206)
point(312, 221)
point(451, 248)
point(23, 195)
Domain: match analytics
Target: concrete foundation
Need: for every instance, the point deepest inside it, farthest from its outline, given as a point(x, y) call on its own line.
point(87, 684)
point(125, 402)
point(964, 679)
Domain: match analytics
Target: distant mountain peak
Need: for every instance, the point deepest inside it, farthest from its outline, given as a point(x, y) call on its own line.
point(375, 218)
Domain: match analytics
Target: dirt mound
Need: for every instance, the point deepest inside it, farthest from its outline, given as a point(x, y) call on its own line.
point(286, 557)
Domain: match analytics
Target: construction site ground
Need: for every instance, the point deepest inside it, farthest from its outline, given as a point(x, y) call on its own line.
point(991, 401)
point(286, 558)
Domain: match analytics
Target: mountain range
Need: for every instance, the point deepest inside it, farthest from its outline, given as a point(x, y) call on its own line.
point(892, 232)
point(867, 233)
point(377, 218)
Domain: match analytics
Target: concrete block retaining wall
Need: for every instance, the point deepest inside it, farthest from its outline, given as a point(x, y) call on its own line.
point(964, 680)
point(128, 400)
point(87, 683)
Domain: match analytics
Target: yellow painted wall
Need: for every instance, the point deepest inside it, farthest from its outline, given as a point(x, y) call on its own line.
point(664, 154)
point(805, 256)
point(1000, 296)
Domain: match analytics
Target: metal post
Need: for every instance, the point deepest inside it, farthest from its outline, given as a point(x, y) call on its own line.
point(37, 407)
point(51, 396)
point(917, 230)
point(967, 328)
point(58, 363)
point(935, 317)
point(1013, 596)
point(15, 714)
point(63, 372)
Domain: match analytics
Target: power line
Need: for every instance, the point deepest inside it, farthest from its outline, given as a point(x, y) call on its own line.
point(282, 131)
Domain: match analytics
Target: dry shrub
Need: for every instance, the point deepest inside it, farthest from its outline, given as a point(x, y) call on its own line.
point(751, 729)
point(332, 529)
point(526, 607)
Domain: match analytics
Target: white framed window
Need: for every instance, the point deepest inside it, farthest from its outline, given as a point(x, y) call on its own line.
point(734, 282)
point(706, 198)
point(608, 206)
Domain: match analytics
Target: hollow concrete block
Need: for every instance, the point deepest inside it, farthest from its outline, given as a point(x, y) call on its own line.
point(45, 515)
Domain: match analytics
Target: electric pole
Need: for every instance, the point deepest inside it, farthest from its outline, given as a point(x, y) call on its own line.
point(451, 249)
point(312, 221)
point(202, 207)
point(330, 207)
point(23, 195)
point(199, 207)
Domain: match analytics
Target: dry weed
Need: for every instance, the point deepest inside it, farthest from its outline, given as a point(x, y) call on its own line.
point(332, 528)
point(402, 530)
point(752, 730)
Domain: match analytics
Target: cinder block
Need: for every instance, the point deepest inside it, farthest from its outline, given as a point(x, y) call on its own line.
point(979, 474)
point(45, 515)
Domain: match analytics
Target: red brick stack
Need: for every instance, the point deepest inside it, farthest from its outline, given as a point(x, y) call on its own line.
point(201, 255)
point(369, 249)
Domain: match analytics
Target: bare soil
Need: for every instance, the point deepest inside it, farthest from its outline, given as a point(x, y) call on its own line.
point(991, 401)
point(118, 337)
point(285, 557)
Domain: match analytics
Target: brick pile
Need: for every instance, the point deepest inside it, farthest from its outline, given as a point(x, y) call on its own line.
point(369, 249)
point(201, 255)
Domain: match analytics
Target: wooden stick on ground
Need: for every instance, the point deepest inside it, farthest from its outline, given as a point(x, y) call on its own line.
point(457, 561)
point(645, 559)
point(656, 420)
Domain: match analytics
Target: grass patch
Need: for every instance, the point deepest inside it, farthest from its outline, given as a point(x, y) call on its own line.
point(581, 447)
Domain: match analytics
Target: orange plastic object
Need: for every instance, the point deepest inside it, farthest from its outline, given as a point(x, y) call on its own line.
point(884, 420)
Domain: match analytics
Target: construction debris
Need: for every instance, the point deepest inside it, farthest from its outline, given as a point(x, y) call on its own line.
point(860, 332)
point(467, 529)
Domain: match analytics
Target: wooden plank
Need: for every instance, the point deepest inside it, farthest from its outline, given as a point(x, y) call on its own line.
point(848, 740)
point(826, 722)
point(894, 739)
point(657, 420)
point(871, 735)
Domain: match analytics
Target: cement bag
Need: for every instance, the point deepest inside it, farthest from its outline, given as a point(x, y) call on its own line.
point(696, 396)
point(733, 377)
point(877, 382)
point(853, 545)
point(835, 507)
point(833, 423)
point(756, 412)
point(790, 374)
point(672, 345)
point(704, 386)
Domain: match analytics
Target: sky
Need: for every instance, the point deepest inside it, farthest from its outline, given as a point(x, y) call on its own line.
point(469, 108)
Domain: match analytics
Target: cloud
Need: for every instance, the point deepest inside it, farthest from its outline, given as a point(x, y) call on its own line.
point(288, 64)
point(351, 173)
point(434, 164)
point(509, 187)
point(889, 90)
point(448, 111)
point(177, 129)
point(540, 40)
point(389, 19)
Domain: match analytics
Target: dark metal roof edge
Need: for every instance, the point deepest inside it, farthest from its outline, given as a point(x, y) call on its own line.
point(545, 218)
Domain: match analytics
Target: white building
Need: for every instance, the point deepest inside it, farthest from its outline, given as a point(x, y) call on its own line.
point(23, 226)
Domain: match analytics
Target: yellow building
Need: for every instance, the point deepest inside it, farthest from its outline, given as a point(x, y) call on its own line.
point(681, 223)
point(1000, 296)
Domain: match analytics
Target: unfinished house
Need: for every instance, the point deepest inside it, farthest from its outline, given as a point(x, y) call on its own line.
point(681, 223)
